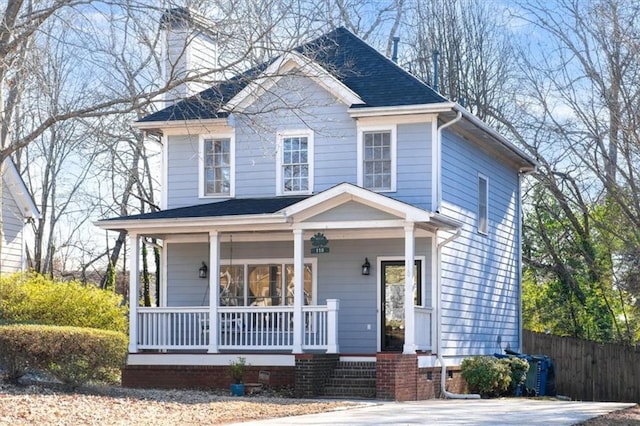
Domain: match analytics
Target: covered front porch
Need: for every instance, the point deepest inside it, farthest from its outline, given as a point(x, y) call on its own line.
point(282, 279)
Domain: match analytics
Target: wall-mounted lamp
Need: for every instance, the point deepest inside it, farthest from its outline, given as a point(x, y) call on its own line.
point(202, 272)
point(366, 267)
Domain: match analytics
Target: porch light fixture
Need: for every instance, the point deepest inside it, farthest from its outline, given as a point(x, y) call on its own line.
point(202, 272)
point(366, 267)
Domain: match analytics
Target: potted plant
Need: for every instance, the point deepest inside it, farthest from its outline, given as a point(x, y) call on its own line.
point(237, 369)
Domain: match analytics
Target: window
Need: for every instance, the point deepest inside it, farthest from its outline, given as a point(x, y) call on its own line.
point(295, 162)
point(267, 284)
point(217, 167)
point(483, 204)
point(377, 159)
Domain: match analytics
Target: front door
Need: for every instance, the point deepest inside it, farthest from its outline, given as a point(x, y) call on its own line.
point(392, 297)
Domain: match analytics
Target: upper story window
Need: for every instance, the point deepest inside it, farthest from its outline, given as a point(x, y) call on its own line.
point(483, 204)
point(295, 162)
point(216, 168)
point(377, 158)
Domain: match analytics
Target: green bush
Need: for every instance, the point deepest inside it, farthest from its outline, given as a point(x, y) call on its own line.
point(72, 355)
point(15, 352)
point(34, 298)
point(518, 368)
point(486, 375)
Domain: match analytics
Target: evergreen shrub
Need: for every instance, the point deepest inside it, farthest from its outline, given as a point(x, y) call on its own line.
point(72, 355)
point(490, 376)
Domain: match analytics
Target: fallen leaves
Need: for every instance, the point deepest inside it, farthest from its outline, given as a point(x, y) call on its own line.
point(37, 404)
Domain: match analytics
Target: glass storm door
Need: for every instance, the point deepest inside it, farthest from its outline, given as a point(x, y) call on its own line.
point(392, 296)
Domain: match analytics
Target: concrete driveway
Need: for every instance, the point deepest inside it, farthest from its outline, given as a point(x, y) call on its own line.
point(507, 411)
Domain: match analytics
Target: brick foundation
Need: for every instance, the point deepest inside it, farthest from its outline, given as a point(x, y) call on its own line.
point(399, 378)
point(312, 372)
point(198, 377)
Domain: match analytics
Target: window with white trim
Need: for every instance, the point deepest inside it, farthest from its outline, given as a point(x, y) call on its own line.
point(377, 159)
point(295, 162)
point(216, 169)
point(262, 284)
point(483, 204)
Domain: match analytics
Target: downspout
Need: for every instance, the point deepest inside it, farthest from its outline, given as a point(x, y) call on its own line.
point(443, 366)
point(438, 160)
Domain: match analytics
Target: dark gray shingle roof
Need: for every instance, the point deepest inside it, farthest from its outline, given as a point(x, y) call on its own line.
point(376, 79)
point(234, 207)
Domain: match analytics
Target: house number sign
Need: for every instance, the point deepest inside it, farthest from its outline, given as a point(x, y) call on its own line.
point(319, 243)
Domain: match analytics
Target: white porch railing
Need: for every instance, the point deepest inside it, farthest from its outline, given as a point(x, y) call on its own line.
point(423, 324)
point(244, 328)
point(172, 328)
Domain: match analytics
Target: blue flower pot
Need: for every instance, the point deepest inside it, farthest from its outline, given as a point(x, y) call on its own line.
point(237, 389)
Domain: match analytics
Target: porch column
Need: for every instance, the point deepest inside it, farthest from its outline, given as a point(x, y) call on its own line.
point(214, 288)
point(332, 326)
point(298, 289)
point(409, 304)
point(134, 273)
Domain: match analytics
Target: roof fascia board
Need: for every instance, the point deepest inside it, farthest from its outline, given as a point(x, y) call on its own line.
point(196, 223)
point(283, 64)
point(287, 235)
point(398, 119)
point(498, 138)
point(401, 110)
point(350, 224)
point(19, 190)
point(180, 124)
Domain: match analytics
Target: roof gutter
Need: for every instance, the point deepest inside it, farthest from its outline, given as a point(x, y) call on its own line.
point(401, 110)
point(498, 137)
point(199, 223)
point(178, 124)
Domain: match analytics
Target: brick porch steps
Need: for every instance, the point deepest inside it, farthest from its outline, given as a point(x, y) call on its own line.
point(352, 380)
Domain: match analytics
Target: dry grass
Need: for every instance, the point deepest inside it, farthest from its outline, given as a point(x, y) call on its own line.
point(39, 404)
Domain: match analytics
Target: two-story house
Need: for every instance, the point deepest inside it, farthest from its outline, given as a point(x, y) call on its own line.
point(327, 210)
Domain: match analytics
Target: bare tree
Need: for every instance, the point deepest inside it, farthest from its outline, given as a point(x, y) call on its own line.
point(474, 57)
point(578, 99)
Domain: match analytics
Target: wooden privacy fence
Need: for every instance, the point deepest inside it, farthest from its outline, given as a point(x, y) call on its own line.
point(589, 371)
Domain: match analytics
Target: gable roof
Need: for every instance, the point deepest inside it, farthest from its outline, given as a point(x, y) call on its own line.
point(19, 190)
point(375, 79)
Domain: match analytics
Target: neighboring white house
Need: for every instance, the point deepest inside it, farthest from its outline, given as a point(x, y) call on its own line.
point(328, 211)
point(17, 208)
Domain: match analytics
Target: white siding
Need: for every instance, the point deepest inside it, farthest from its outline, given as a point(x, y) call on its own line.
point(187, 54)
point(13, 227)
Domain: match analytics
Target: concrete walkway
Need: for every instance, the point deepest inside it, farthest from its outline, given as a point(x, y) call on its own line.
point(507, 411)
